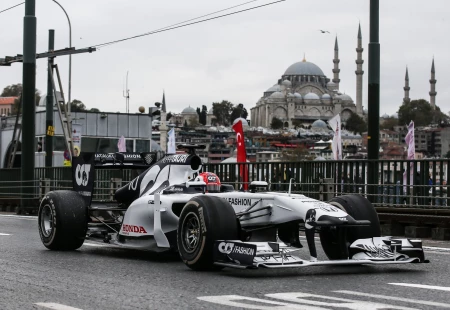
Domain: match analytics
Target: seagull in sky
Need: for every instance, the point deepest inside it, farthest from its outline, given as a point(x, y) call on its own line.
point(324, 31)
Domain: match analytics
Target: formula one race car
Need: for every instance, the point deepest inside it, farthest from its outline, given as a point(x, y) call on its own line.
point(171, 206)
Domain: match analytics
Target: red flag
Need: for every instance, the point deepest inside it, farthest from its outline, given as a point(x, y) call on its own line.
point(241, 153)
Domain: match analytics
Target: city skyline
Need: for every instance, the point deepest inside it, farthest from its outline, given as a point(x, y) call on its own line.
point(234, 58)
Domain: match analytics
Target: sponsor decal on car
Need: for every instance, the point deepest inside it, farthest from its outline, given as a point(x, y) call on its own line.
point(82, 174)
point(239, 253)
point(240, 201)
point(126, 229)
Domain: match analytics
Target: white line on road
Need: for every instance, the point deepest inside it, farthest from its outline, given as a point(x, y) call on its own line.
point(413, 301)
point(5, 234)
point(33, 218)
point(430, 287)
point(50, 305)
point(432, 248)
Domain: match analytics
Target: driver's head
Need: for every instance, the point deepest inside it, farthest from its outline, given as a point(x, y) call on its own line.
point(212, 181)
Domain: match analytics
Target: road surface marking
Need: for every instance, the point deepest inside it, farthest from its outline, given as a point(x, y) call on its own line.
point(413, 301)
point(5, 234)
point(430, 287)
point(432, 248)
point(50, 305)
point(33, 218)
point(328, 301)
point(254, 303)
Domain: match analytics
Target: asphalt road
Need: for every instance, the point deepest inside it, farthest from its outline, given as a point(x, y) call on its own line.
point(101, 277)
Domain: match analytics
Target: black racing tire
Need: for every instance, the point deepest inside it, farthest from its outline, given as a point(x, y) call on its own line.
point(204, 219)
point(62, 220)
point(359, 208)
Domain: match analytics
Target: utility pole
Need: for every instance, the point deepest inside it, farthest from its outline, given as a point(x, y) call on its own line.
point(28, 99)
point(126, 95)
point(373, 135)
point(49, 106)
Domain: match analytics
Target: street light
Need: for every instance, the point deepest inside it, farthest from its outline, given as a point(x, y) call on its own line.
point(70, 57)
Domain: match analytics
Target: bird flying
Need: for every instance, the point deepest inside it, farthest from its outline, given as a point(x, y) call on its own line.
point(324, 31)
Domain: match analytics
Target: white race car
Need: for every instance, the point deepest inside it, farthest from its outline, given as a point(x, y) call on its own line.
point(172, 206)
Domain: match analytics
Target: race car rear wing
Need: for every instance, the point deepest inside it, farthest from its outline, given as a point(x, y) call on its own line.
point(84, 165)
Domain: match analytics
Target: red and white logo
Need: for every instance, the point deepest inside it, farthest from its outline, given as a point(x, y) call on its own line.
point(133, 229)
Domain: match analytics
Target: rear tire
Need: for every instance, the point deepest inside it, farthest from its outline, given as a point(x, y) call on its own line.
point(203, 220)
point(359, 208)
point(62, 220)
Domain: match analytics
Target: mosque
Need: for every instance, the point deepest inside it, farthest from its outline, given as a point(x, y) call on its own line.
point(305, 94)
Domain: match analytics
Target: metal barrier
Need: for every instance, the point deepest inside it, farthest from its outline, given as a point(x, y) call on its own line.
point(403, 184)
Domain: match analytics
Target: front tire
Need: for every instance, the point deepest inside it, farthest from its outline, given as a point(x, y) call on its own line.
point(204, 220)
point(62, 220)
point(359, 208)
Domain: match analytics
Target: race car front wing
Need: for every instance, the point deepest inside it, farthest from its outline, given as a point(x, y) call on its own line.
point(371, 251)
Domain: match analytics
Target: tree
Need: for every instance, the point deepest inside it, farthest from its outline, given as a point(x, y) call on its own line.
point(276, 123)
point(222, 111)
point(297, 123)
point(14, 90)
point(355, 123)
point(193, 122)
point(296, 154)
point(94, 110)
point(389, 123)
point(421, 112)
point(238, 111)
point(202, 115)
point(169, 116)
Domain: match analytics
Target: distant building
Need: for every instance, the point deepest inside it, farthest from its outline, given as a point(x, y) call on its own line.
point(6, 105)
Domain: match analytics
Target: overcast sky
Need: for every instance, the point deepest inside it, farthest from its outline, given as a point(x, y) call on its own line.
point(234, 58)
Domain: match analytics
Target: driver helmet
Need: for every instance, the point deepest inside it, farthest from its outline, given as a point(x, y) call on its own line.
point(212, 181)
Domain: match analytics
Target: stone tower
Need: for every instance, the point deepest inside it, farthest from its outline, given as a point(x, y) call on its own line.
point(359, 74)
point(406, 99)
point(336, 61)
point(163, 125)
point(433, 92)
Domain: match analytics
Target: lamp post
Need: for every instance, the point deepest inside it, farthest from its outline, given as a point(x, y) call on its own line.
point(70, 59)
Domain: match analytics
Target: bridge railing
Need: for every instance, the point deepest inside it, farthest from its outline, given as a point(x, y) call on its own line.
point(402, 184)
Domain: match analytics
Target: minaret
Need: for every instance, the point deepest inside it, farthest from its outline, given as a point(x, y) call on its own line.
point(336, 61)
point(406, 88)
point(163, 126)
point(433, 92)
point(359, 74)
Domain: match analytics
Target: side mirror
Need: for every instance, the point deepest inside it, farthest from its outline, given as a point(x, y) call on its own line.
point(258, 184)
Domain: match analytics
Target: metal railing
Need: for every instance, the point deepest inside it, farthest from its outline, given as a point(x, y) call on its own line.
point(402, 184)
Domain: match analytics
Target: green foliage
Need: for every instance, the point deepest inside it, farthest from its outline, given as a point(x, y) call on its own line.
point(238, 111)
point(421, 112)
point(222, 111)
point(389, 123)
point(202, 115)
point(94, 110)
point(297, 123)
point(169, 116)
point(193, 122)
point(76, 106)
point(15, 90)
point(356, 123)
point(276, 123)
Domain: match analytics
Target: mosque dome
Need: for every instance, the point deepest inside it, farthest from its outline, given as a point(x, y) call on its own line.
point(277, 94)
point(312, 96)
point(210, 112)
point(297, 95)
point(326, 96)
point(304, 68)
point(188, 110)
point(291, 95)
point(385, 115)
point(286, 83)
point(345, 97)
point(331, 84)
point(274, 88)
point(319, 124)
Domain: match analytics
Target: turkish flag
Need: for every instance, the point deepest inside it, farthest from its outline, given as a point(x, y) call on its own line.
point(241, 153)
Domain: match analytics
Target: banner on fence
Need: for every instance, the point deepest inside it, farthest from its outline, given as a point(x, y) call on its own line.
point(335, 124)
point(241, 153)
point(76, 138)
point(121, 146)
point(409, 140)
point(171, 144)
